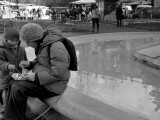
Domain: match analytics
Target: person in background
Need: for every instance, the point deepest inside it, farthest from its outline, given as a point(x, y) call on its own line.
point(50, 74)
point(39, 13)
point(119, 16)
point(87, 13)
point(95, 13)
point(11, 54)
point(1, 13)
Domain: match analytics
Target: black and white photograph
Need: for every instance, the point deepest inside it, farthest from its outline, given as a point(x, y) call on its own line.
point(79, 59)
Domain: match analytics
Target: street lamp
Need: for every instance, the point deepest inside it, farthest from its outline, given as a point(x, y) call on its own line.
point(152, 3)
point(17, 1)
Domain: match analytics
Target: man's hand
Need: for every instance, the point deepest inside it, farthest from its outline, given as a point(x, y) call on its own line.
point(30, 76)
point(24, 64)
point(11, 67)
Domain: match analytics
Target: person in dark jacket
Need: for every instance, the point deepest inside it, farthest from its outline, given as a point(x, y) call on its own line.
point(50, 69)
point(119, 16)
point(11, 54)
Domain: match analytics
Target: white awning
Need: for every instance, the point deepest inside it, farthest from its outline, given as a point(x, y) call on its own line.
point(83, 2)
point(139, 3)
point(9, 3)
point(2, 3)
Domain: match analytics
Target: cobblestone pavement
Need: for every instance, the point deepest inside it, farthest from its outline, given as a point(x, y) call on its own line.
point(105, 28)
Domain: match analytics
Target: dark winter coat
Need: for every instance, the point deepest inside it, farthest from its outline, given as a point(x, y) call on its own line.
point(52, 63)
point(8, 56)
point(96, 13)
point(119, 13)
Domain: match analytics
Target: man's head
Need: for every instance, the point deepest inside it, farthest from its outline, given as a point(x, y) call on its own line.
point(32, 34)
point(11, 33)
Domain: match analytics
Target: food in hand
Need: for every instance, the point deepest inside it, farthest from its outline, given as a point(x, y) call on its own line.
point(18, 76)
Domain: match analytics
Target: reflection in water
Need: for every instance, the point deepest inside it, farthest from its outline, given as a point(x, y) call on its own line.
point(109, 73)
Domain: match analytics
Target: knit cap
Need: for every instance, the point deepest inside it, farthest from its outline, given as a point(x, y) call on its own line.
point(11, 30)
point(31, 32)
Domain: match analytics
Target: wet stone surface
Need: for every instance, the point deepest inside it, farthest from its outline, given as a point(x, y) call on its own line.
point(109, 73)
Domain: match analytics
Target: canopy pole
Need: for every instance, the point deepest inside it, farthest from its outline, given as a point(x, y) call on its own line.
point(10, 9)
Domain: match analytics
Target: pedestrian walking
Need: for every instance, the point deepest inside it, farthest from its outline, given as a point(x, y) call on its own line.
point(95, 13)
point(87, 13)
point(119, 16)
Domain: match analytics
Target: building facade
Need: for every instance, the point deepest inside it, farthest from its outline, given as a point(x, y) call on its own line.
point(157, 3)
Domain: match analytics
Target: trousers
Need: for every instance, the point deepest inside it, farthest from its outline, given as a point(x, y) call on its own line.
point(119, 22)
point(18, 93)
point(95, 21)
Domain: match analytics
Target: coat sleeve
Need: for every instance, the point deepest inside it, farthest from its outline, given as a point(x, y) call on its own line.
point(25, 55)
point(3, 63)
point(32, 64)
point(60, 60)
point(98, 12)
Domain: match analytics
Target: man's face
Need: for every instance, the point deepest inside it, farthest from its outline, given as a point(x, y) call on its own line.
point(13, 42)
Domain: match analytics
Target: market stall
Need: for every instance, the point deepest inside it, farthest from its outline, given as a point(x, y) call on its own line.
point(83, 2)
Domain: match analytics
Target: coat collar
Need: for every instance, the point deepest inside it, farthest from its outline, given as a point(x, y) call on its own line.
point(50, 38)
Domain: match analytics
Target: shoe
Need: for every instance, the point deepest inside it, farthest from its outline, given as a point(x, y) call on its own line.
point(1, 116)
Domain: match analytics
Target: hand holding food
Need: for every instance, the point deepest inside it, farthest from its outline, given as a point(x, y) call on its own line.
point(18, 76)
point(11, 67)
point(30, 76)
